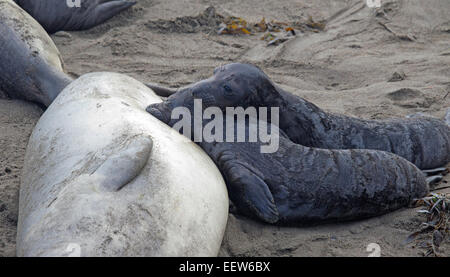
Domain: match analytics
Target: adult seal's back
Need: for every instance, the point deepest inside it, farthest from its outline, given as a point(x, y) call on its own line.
point(66, 15)
point(30, 64)
point(104, 178)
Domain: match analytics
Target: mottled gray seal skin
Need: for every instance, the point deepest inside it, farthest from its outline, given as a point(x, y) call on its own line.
point(421, 140)
point(299, 185)
point(57, 15)
point(102, 177)
point(30, 64)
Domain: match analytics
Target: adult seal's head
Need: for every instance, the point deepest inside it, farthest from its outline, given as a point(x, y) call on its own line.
point(104, 177)
point(30, 64)
point(62, 15)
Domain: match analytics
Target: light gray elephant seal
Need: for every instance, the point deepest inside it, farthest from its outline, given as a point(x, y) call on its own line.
point(104, 178)
point(30, 64)
point(65, 15)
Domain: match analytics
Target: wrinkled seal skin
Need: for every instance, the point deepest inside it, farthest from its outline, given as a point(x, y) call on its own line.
point(56, 15)
point(102, 177)
point(30, 64)
point(299, 185)
point(423, 141)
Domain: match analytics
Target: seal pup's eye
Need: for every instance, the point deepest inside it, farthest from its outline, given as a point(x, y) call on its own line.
point(227, 89)
point(228, 92)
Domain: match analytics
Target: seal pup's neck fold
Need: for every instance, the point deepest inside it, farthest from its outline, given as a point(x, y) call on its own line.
point(312, 118)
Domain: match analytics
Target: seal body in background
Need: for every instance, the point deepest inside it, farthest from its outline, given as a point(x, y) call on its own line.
point(30, 64)
point(73, 15)
point(102, 177)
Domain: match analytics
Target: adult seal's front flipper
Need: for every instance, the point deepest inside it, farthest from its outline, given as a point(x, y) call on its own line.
point(61, 15)
point(122, 167)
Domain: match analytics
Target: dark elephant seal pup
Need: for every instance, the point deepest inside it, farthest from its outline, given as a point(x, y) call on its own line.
point(30, 64)
point(62, 15)
point(298, 185)
point(422, 141)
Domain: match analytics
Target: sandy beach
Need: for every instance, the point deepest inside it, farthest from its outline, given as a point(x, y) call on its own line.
point(372, 63)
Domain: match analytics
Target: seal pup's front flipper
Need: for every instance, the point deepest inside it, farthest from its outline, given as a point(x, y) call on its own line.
point(122, 167)
point(249, 192)
point(161, 91)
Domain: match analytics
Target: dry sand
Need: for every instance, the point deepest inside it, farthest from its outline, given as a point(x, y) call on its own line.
point(344, 69)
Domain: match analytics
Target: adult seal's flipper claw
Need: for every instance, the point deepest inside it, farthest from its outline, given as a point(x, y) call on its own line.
point(122, 167)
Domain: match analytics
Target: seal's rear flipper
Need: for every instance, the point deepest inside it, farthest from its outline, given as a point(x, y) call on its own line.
point(434, 180)
point(107, 10)
point(250, 193)
point(434, 176)
point(123, 166)
point(161, 91)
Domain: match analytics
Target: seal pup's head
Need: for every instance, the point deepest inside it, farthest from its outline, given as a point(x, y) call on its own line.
point(232, 85)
